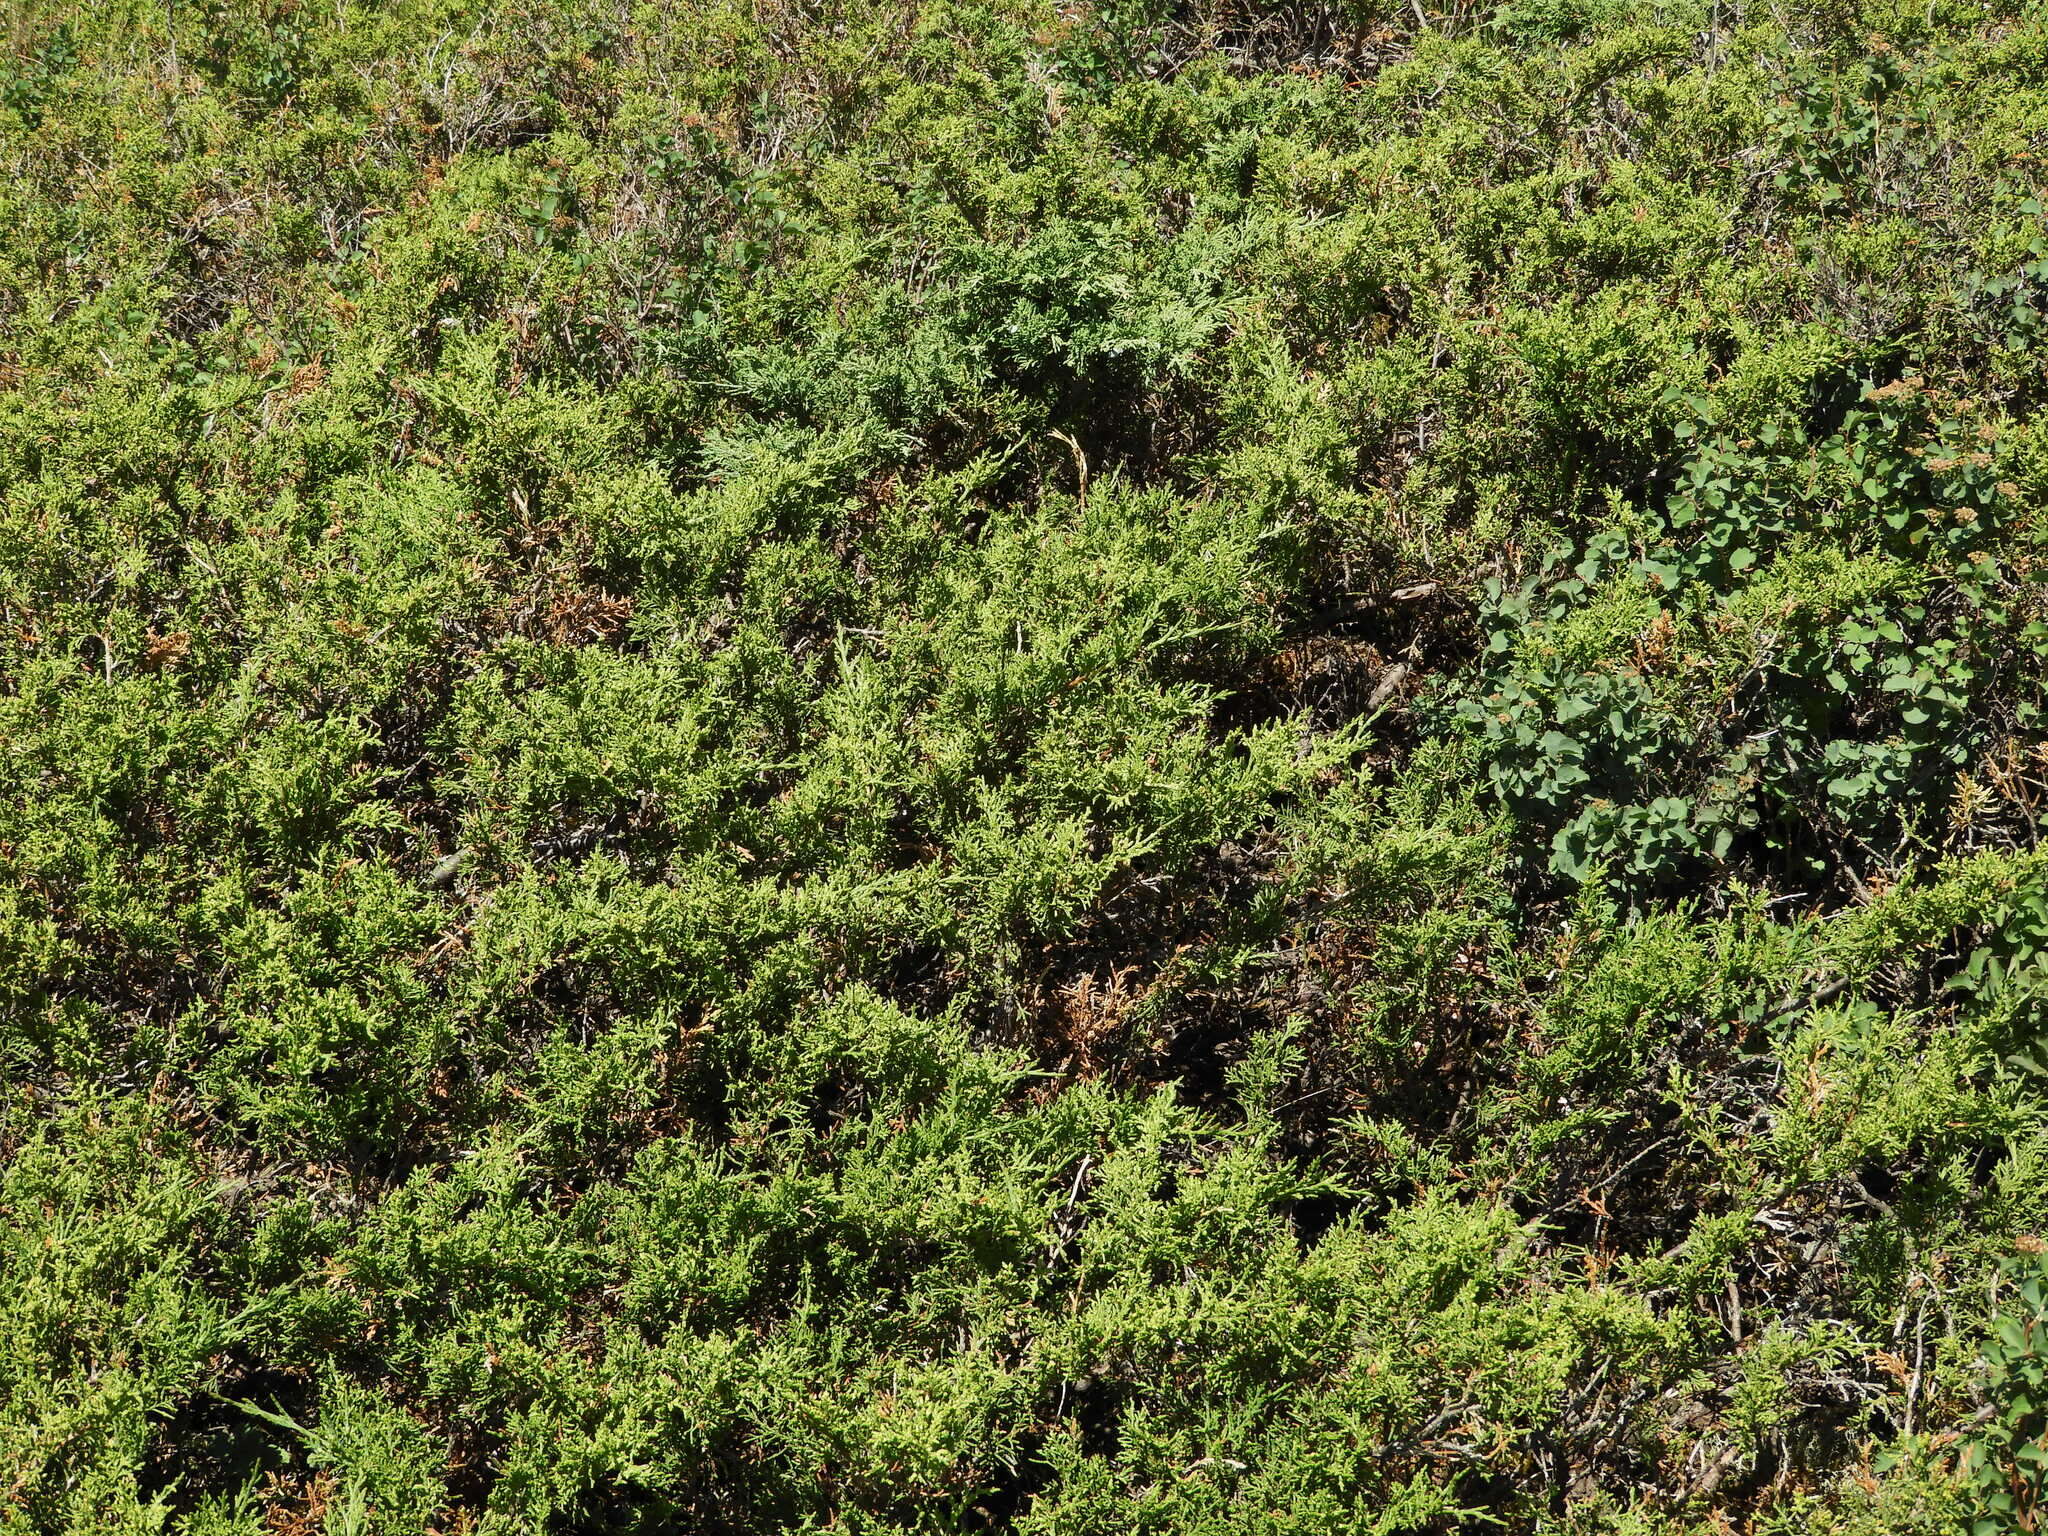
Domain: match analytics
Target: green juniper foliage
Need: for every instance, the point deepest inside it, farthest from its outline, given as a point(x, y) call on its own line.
point(978, 765)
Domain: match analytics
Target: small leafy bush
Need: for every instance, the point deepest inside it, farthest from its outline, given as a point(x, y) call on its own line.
point(2007, 1463)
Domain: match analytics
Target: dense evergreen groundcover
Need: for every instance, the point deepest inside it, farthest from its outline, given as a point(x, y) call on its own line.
point(970, 765)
